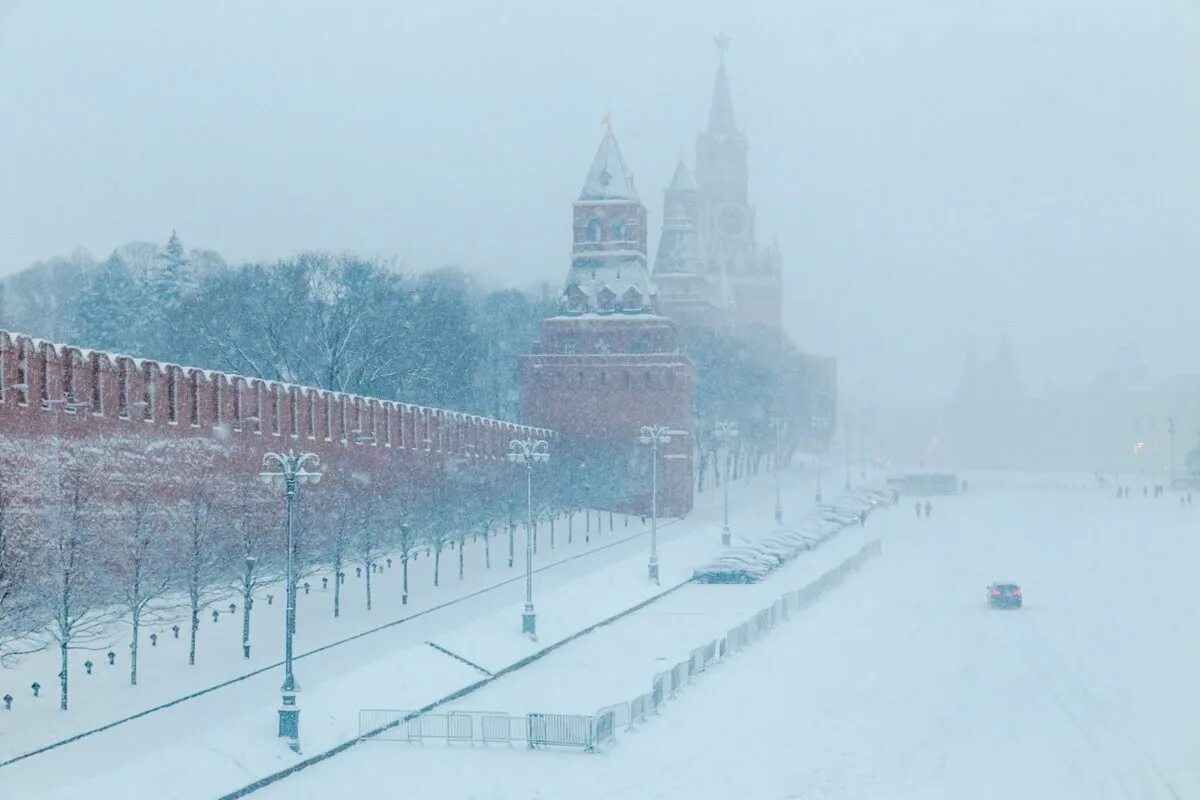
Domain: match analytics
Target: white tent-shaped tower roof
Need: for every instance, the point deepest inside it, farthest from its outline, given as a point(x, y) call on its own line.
point(609, 178)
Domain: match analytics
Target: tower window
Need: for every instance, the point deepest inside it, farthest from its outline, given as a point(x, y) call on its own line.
point(568, 346)
point(593, 230)
point(618, 229)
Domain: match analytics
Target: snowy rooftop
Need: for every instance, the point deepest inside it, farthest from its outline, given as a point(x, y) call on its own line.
point(609, 178)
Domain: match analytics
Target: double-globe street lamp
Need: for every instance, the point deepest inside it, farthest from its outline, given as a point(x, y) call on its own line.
point(819, 426)
point(725, 432)
point(289, 470)
point(777, 425)
point(529, 452)
point(654, 435)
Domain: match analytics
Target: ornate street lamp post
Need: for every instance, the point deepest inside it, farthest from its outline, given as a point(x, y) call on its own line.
point(725, 432)
point(654, 435)
point(289, 470)
point(529, 452)
point(819, 425)
point(777, 425)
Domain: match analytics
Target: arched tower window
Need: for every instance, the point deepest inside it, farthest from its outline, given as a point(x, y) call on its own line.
point(593, 230)
point(618, 229)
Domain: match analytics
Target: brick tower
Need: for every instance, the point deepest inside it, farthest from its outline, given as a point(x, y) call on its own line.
point(710, 264)
point(609, 363)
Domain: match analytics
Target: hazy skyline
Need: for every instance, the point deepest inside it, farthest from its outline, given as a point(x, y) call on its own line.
point(932, 172)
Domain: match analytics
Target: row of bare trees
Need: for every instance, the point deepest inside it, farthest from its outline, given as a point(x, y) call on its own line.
point(86, 566)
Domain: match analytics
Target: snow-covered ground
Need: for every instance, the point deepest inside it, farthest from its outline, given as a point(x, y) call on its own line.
point(901, 683)
point(227, 736)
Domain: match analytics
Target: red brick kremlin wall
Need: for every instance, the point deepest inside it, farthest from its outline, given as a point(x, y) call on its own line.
point(162, 428)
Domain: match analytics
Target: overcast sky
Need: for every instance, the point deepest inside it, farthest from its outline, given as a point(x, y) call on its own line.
point(933, 169)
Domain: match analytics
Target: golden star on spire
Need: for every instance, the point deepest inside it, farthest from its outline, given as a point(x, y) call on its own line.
point(606, 120)
point(722, 42)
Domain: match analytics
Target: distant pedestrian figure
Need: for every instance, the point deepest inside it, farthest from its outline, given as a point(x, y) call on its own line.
point(1145, 491)
point(862, 518)
point(1189, 498)
point(918, 507)
point(928, 508)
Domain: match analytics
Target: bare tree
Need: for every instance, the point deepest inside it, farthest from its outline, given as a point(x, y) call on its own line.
point(202, 560)
point(437, 537)
point(75, 584)
point(257, 540)
point(406, 540)
point(21, 608)
point(140, 563)
point(337, 520)
point(367, 538)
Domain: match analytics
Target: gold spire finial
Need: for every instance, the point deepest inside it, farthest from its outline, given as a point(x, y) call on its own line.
point(607, 121)
point(722, 42)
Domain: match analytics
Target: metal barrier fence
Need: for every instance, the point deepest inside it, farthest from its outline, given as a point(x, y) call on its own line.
point(576, 730)
point(486, 727)
point(666, 685)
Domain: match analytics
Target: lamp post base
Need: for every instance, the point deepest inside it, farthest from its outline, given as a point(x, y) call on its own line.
point(654, 570)
point(726, 537)
point(289, 722)
point(778, 516)
point(529, 621)
point(818, 497)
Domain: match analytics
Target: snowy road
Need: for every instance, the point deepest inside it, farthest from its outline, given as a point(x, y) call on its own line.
point(902, 684)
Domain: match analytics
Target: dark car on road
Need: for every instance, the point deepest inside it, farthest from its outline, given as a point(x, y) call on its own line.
point(1004, 595)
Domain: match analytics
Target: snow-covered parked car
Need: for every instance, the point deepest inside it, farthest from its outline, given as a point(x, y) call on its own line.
point(751, 556)
point(730, 571)
point(806, 539)
point(772, 551)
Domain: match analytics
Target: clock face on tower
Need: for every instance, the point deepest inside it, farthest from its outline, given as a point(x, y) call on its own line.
point(731, 221)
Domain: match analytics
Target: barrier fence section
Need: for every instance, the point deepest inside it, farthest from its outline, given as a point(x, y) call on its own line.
point(485, 727)
point(666, 685)
point(540, 730)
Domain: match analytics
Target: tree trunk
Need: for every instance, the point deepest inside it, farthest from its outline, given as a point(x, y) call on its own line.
point(487, 547)
point(404, 565)
point(133, 644)
point(610, 520)
point(337, 587)
point(461, 546)
point(551, 533)
point(369, 563)
point(62, 680)
point(512, 532)
point(195, 627)
point(437, 563)
point(570, 527)
point(246, 603)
